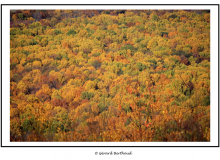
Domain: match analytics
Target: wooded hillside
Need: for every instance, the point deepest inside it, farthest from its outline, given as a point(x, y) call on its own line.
point(110, 75)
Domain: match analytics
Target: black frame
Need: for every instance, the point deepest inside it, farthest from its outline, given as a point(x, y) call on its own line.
point(111, 5)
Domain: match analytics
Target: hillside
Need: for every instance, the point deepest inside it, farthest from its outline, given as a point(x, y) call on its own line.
point(110, 75)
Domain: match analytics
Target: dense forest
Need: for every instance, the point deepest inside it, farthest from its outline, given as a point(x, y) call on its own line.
point(110, 75)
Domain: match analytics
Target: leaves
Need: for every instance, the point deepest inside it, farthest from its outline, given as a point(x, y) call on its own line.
point(93, 75)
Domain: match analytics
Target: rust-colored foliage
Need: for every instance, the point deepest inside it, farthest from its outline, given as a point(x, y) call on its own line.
point(109, 75)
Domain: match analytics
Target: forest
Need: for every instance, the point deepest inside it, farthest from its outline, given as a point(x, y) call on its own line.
point(109, 75)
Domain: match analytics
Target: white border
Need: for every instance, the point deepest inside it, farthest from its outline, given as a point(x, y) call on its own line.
point(6, 74)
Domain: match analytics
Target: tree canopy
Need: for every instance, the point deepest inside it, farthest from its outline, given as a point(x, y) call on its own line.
point(110, 75)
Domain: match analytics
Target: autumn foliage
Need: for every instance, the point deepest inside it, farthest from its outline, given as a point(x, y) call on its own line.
point(105, 75)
